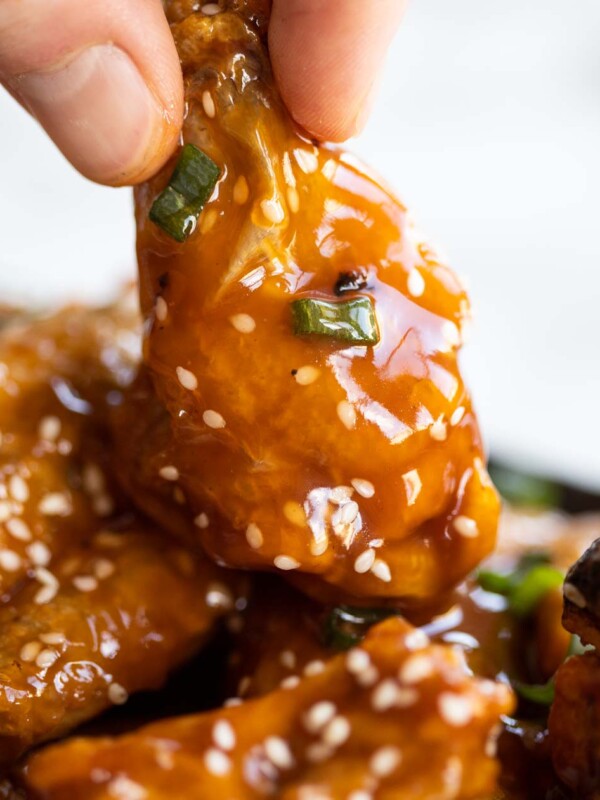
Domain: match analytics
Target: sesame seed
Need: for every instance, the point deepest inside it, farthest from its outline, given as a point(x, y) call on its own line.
point(18, 529)
point(318, 752)
point(573, 594)
point(286, 562)
point(455, 709)
point(365, 561)
point(52, 637)
point(49, 428)
point(466, 526)
point(318, 716)
point(213, 419)
point(169, 473)
point(46, 658)
point(164, 758)
point(45, 595)
point(294, 513)
point(415, 669)
point(29, 652)
point(219, 596)
point(307, 161)
point(187, 379)
point(272, 211)
point(307, 375)
point(85, 583)
point(384, 696)
point(216, 762)
point(18, 489)
point(208, 219)
point(201, 521)
point(244, 685)
point(363, 487)
point(243, 323)
point(336, 732)
point(438, 429)
point(290, 682)
point(381, 570)
point(254, 536)
point(103, 568)
point(161, 309)
point(368, 677)
point(55, 504)
point(208, 104)
point(103, 505)
point(360, 794)
point(39, 553)
point(223, 735)
point(313, 668)
point(210, 9)
point(123, 788)
point(117, 694)
point(93, 479)
point(416, 640)
point(288, 659)
point(5, 510)
point(241, 191)
point(457, 415)
point(357, 661)
point(293, 199)
point(278, 752)
point(231, 702)
point(415, 283)
point(347, 414)
point(9, 560)
point(345, 514)
point(319, 546)
point(49, 583)
point(384, 761)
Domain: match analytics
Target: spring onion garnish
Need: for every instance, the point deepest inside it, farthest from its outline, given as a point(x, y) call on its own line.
point(526, 586)
point(542, 694)
point(178, 206)
point(346, 626)
point(350, 320)
point(521, 489)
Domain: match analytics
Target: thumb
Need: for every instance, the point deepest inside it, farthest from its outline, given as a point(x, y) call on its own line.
point(326, 58)
point(102, 77)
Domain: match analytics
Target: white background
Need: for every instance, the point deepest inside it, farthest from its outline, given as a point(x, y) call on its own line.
point(488, 125)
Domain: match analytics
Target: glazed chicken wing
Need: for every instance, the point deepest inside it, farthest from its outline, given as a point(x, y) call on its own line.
point(396, 718)
point(304, 341)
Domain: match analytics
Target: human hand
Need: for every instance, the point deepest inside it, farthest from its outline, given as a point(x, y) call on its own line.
point(103, 78)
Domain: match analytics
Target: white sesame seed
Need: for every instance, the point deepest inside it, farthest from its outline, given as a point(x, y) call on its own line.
point(318, 752)
point(49, 428)
point(286, 562)
point(103, 504)
point(415, 669)
point(384, 696)
point(360, 794)
point(39, 553)
point(241, 191)
point(9, 560)
point(117, 694)
point(213, 419)
point(347, 414)
point(363, 487)
point(187, 379)
point(293, 199)
point(122, 788)
point(438, 430)
point(244, 685)
point(307, 161)
point(231, 702)
point(416, 640)
point(254, 536)
point(219, 596)
point(412, 486)
point(208, 219)
point(319, 715)
point(46, 658)
point(365, 561)
point(573, 594)
point(381, 570)
point(169, 473)
point(5, 510)
point(313, 668)
point(307, 375)
point(164, 758)
point(93, 479)
point(243, 323)
point(278, 752)
point(64, 447)
point(55, 504)
point(455, 709)
point(223, 734)
point(161, 309)
point(29, 652)
point(465, 526)
point(18, 529)
point(18, 488)
point(345, 514)
point(210, 9)
point(49, 583)
point(208, 104)
point(384, 761)
point(368, 677)
point(457, 415)
point(294, 513)
point(272, 211)
point(287, 658)
point(336, 732)
point(290, 682)
point(201, 521)
point(85, 583)
point(52, 637)
point(103, 568)
point(319, 546)
point(357, 661)
point(216, 762)
point(45, 595)
point(415, 283)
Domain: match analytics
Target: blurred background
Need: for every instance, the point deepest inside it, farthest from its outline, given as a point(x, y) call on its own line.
point(488, 126)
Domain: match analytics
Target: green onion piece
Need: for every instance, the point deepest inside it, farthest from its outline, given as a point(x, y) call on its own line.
point(495, 582)
point(346, 626)
point(178, 206)
point(540, 693)
point(522, 489)
point(350, 320)
point(530, 591)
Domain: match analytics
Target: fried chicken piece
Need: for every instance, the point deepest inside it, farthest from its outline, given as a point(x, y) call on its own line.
point(359, 467)
point(581, 614)
point(95, 603)
point(575, 725)
point(396, 718)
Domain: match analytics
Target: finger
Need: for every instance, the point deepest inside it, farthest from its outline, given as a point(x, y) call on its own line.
point(326, 57)
point(102, 77)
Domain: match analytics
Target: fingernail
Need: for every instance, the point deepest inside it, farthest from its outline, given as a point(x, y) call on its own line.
point(98, 110)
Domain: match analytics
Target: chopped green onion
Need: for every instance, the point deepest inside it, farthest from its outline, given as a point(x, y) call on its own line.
point(346, 626)
point(178, 206)
point(540, 693)
point(351, 320)
point(526, 586)
point(522, 489)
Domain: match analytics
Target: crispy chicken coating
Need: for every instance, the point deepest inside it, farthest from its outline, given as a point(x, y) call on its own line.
point(581, 614)
point(396, 718)
point(356, 466)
